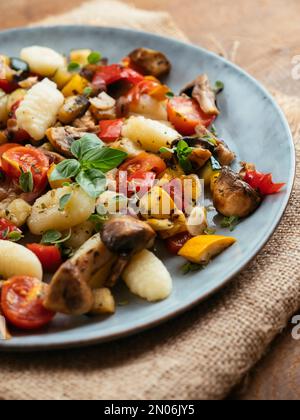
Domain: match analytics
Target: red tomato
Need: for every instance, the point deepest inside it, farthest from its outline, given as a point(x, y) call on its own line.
point(6, 147)
point(22, 303)
point(27, 159)
point(49, 256)
point(7, 86)
point(143, 87)
point(263, 183)
point(6, 228)
point(175, 243)
point(110, 130)
point(141, 173)
point(185, 114)
point(143, 162)
point(106, 75)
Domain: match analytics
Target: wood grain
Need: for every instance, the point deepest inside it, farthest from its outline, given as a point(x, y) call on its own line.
point(262, 36)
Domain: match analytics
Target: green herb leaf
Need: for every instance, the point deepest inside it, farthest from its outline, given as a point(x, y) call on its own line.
point(210, 231)
point(94, 57)
point(73, 67)
point(215, 164)
point(26, 182)
point(191, 268)
point(87, 143)
point(219, 87)
point(183, 152)
point(65, 239)
point(98, 220)
point(230, 222)
point(214, 131)
point(68, 168)
point(104, 159)
point(166, 150)
point(92, 181)
point(51, 237)
point(87, 91)
point(15, 236)
point(5, 233)
point(170, 95)
point(64, 201)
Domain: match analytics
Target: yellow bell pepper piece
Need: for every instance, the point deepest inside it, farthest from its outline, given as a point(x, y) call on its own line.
point(62, 77)
point(80, 56)
point(56, 184)
point(75, 86)
point(201, 249)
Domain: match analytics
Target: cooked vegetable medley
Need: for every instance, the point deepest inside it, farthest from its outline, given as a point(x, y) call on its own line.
point(98, 161)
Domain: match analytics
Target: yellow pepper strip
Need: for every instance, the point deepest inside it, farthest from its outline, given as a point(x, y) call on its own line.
point(56, 184)
point(75, 86)
point(213, 180)
point(201, 249)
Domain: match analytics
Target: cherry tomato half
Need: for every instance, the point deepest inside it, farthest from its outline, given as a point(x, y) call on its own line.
point(22, 303)
point(26, 159)
point(185, 114)
point(6, 228)
point(143, 162)
point(110, 130)
point(175, 243)
point(49, 256)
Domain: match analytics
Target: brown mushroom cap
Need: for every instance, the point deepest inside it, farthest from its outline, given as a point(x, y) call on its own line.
point(234, 197)
point(151, 62)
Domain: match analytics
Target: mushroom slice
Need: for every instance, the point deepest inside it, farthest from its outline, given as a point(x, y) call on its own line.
point(70, 290)
point(201, 90)
point(234, 197)
point(151, 62)
point(126, 235)
point(224, 155)
point(62, 138)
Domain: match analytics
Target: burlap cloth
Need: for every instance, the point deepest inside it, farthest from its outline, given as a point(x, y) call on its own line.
point(202, 354)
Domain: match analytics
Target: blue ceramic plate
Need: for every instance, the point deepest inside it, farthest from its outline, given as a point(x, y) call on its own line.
point(253, 126)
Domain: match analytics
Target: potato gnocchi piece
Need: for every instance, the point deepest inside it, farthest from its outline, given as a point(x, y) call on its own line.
point(150, 108)
point(147, 277)
point(18, 212)
point(17, 260)
point(80, 234)
point(128, 146)
point(149, 134)
point(38, 110)
point(46, 215)
point(42, 60)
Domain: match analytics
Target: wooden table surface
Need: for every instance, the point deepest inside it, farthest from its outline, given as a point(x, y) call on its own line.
point(262, 36)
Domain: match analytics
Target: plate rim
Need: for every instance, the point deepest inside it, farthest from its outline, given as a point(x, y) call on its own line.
point(94, 339)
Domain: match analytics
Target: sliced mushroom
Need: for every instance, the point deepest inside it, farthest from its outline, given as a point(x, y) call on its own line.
point(62, 138)
point(224, 155)
point(151, 62)
point(126, 235)
point(73, 107)
point(200, 156)
point(234, 197)
point(70, 290)
point(86, 123)
point(201, 90)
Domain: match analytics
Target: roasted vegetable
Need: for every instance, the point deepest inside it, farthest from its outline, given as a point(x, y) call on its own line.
point(75, 86)
point(224, 155)
point(234, 197)
point(201, 249)
point(202, 92)
point(61, 77)
point(104, 302)
point(62, 138)
point(73, 107)
point(42, 60)
point(150, 62)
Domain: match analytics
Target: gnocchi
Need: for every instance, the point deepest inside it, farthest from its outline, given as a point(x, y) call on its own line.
point(42, 60)
point(147, 277)
point(38, 110)
point(46, 216)
point(149, 134)
point(17, 260)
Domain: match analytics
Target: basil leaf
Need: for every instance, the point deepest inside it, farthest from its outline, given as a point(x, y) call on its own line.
point(92, 181)
point(64, 201)
point(68, 168)
point(94, 57)
point(26, 182)
point(166, 150)
point(183, 152)
point(51, 237)
point(104, 159)
point(170, 95)
point(88, 142)
point(73, 67)
point(87, 91)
